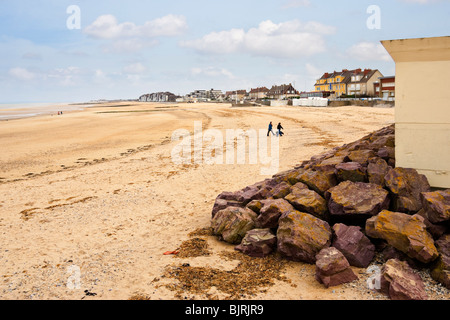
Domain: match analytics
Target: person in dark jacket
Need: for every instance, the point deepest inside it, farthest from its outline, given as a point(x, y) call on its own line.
point(279, 128)
point(270, 129)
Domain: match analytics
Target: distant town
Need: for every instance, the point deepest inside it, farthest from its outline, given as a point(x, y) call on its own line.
point(345, 85)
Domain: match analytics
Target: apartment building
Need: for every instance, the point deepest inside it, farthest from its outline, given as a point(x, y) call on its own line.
point(356, 82)
point(385, 88)
point(258, 93)
point(284, 91)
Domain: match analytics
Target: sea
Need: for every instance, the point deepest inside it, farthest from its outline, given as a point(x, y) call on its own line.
point(11, 111)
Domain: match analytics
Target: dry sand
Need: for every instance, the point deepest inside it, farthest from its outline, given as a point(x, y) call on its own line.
point(98, 190)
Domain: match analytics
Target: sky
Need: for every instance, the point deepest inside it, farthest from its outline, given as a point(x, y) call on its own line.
point(78, 51)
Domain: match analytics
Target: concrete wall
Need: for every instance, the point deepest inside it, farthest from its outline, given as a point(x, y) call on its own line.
point(422, 112)
point(278, 103)
point(312, 102)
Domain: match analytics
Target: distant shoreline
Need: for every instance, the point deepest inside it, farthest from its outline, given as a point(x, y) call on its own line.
point(17, 111)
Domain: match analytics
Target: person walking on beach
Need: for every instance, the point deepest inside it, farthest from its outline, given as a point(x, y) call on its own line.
point(280, 127)
point(270, 129)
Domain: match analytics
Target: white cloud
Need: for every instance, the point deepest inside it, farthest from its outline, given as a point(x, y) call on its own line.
point(369, 51)
point(212, 72)
point(313, 71)
point(56, 76)
point(107, 27)
point(22, 74)
point(284, 40)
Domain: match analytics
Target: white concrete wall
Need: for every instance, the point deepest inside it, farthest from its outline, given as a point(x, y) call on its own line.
point(312, 102)
point(422, 112)
point(278, 103)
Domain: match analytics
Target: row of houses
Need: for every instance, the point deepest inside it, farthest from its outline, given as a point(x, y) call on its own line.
point(336, 84)
point(357, 82)
point(277, 92)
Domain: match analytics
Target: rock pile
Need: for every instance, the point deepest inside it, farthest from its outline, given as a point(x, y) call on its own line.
point(338, 209)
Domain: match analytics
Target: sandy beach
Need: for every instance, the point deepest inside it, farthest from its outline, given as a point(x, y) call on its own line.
point(95, 194)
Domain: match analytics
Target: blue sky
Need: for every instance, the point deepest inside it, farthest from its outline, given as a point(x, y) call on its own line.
point(127, 48)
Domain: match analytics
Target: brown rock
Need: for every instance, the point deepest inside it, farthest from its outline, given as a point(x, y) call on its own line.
point(318, 180)
point(221, 204)
point(436, 205)
point(399, 282)
point(357, 198)
point(331, 162)
point(289, 176)
point(352, 171)
point(255, 205)
point(258, 243)
point(404, 232)
point(305, 200)
point(387, 140)
point(388, 154)
point(353, 244)
point(437, 230)
point(377, 170)
point(441, 269)
point(406, 185)
point(361, 156)
point(233, 223)
point(301, 236)
point(279, 191)
point(332, 268)
point(271, 211)
point(389, 252)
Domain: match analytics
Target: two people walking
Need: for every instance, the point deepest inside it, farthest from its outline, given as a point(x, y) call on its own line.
point(279, 128)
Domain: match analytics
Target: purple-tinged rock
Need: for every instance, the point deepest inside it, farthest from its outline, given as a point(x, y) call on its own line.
point(353, 244)
point(332, 268)
point(400, 282)
point(258, 243)
point(301, 236)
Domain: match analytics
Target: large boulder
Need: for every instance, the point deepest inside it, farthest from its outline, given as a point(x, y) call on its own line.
point(233, 223)
point(357, 198)
point(305, 200)
point(405, 233)
point(352, 171)
point(353, 244)
point(441, 270)
point(289, 176)
point(384, 140)
point(361, 156)
point(400, 282)
point(436, 205)
point(301, 236)
point(332, 268)
point(318, 180)
point(331, 162)
point(258, 243)
point(377, 170)
point(271, 211)
point(437, 230)
point(406, 185)
point(279, 191)
point(221, 204)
